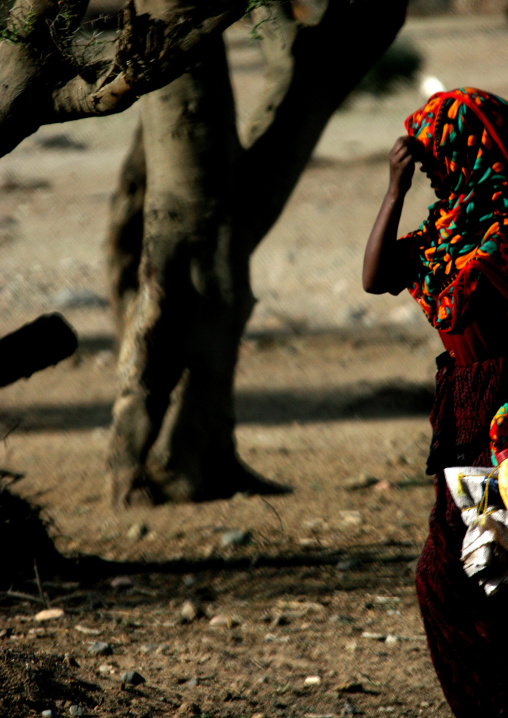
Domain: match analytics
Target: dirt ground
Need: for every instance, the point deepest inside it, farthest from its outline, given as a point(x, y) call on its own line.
point(298, 606)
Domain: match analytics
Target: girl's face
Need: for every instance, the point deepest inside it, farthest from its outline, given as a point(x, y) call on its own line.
point(429, 166)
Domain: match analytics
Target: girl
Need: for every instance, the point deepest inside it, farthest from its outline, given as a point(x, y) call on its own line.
point(456, 267)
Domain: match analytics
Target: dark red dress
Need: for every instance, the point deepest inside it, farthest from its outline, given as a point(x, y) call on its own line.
point(467, 631)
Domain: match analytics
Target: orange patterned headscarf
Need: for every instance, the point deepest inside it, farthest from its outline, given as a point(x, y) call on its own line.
point(465, 136)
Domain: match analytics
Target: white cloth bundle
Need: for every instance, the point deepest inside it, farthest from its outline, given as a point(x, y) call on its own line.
point(485, 545)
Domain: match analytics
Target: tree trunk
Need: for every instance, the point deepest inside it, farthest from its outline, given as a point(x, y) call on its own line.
point(208, 203)
point(186, 322)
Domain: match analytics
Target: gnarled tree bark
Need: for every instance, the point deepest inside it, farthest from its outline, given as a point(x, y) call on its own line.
point(208, 202)
point(186, 320)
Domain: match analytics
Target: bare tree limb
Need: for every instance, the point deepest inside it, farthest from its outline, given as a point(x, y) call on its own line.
point(326, 67)
point(33, 57)
point(277, 30)
point(42, 83)
point(150, 52)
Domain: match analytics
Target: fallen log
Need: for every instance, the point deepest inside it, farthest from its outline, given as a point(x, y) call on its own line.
point(35, 346)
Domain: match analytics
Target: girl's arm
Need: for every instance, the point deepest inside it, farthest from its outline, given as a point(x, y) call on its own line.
point(385, 266)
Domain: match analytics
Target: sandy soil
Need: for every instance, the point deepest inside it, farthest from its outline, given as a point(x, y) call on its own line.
point(301, 605)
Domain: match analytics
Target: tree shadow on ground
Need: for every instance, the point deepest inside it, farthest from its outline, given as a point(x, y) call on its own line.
point(89, 581)
point(361, 400)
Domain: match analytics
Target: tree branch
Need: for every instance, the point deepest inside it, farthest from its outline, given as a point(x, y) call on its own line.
point(277, 31)
point(33, 56)
point(325, 69)
point(42, 82)
point(150, 52)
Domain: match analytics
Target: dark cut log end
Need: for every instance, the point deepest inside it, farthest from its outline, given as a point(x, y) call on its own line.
point(35, 346)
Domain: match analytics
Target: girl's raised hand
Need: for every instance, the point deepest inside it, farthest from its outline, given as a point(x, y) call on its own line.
point(402, 164)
